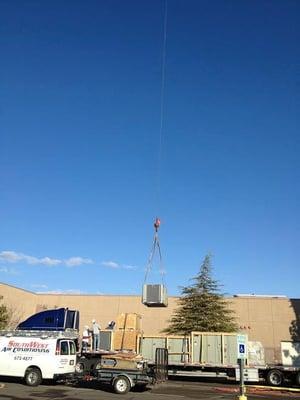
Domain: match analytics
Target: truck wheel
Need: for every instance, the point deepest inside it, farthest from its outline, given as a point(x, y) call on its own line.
point(297, 379)
point(33, 377)
point(121, 385)
point(275, 377)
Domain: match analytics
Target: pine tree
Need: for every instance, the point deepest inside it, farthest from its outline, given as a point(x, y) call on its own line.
point(3, 315)
point(202, 307)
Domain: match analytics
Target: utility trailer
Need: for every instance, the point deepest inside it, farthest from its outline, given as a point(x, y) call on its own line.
point(122, 371)
point(215, 354)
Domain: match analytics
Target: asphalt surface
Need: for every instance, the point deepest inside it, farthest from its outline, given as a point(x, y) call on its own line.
point(11, 389)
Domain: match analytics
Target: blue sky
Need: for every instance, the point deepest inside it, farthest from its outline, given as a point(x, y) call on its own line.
point(80, 89)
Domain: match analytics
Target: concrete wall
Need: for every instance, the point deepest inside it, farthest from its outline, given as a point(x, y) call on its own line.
point(265, 319)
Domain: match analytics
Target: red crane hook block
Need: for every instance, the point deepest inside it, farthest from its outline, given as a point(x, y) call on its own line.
point(156, 224)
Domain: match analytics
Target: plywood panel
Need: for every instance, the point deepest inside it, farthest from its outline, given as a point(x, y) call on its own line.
point(128, 321)
point(125, 340)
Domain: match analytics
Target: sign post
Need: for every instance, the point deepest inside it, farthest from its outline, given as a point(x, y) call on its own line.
point(242, 355)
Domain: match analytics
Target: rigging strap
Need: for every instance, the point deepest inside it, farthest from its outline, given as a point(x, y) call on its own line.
point(155, 246)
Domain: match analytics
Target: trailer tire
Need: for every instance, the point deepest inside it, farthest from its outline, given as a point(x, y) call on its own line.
point(275, 377)
point(121, 385)
point(33, 377)
point(297, 379)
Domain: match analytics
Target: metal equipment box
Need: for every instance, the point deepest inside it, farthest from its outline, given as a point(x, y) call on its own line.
point(218, 348)
point(106, 340)
point(290, 353)
point(149, 344)
point(155, 296)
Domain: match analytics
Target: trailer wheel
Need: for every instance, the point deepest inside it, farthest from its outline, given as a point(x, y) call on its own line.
point(275, 377)
point(33, 377)
point(297, 379)
point(121, 385)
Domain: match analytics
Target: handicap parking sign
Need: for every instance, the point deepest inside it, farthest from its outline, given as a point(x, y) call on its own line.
point(241, 346)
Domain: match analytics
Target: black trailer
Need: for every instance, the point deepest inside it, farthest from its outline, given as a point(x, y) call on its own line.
point(122, 374)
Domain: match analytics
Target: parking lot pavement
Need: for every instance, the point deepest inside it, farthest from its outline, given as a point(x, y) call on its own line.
point(217, 391)
point(13, 390)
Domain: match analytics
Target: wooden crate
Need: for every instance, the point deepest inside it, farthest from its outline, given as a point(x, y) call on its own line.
point(125, 339)
point(128, 321)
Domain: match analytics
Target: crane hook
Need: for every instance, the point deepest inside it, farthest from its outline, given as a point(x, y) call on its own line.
point(156, 224)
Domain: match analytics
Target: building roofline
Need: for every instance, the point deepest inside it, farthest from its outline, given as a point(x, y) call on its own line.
point(258, 296)
point(18, 288)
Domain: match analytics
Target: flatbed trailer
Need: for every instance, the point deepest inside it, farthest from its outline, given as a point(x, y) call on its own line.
point(278, 375)
point(195, 355)
point(273, 375)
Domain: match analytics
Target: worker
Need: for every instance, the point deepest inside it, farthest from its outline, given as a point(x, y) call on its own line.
point(96, 335)
point(111, 325)
point(86, 338)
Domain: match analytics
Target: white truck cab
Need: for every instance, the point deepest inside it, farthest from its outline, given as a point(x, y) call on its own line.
point(37, 355)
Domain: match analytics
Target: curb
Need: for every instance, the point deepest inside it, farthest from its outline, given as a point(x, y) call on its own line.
point(256, 388)
point(282, 389)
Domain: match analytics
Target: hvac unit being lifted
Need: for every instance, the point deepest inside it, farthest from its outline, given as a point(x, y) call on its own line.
point(155, 295)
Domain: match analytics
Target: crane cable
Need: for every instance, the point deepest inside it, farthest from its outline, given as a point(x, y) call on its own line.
point(156, 244)
point(162, 102)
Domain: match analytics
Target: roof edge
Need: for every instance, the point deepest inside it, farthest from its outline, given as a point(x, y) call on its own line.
point(18, 288)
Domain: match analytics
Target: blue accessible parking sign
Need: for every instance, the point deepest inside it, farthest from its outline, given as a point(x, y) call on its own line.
point(241, 346)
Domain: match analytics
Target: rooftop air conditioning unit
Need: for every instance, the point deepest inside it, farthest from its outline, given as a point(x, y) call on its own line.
point(155, 296)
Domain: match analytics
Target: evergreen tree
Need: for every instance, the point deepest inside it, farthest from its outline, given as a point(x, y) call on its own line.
point(202, 307)
point(3, 315)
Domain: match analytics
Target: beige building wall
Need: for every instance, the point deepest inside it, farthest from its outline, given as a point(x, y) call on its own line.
point(21, 303)
point(264, 319)
point(268, 320)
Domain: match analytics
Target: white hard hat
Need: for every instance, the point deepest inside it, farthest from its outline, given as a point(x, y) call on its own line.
point(93, 321)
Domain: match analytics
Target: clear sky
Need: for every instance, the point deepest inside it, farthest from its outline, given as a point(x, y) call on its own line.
point(80, 85)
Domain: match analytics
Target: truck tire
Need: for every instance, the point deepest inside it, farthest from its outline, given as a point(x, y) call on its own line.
point(297, 379)
point(33, 377)
point(275, 377)
point(121, 385)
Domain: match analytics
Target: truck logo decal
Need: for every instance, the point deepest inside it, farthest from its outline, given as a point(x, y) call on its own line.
point(32, 347)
